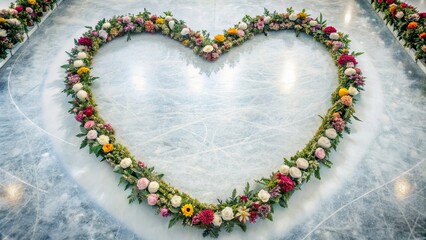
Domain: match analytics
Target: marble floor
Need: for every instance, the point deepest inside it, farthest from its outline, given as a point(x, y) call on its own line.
point(212, 127)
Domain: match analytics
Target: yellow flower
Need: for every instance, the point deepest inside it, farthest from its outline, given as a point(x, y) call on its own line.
point(32, 2)
point(185, 42)
point(232, 31)
point(2, 20)
point(343, 92)
point(114, 32)
point(302, 15)
point(108, 147)
point(160, 21)
point(219, 38)
point(83, 70)
point(187, 210)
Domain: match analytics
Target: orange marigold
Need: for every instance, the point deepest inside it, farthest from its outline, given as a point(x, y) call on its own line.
point(346, 100)
point(108, 147)
point(422, 35)
point(412, 25)
point(219, 38)
point(232, 31)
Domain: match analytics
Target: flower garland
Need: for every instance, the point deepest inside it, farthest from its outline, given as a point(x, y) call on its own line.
point(146, 184)
point(407, 21)
point(14, 22)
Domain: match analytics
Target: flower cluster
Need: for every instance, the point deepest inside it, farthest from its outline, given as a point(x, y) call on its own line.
point(15, 20)
point(148, 185)
point(407, 21)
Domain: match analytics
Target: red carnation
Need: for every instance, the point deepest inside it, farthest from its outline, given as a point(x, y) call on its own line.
point(344, 58)
point(89, 111)
point(86, 41)
point(19, 8)
point(253, 217)
point(422, 15)
point(390, 1)
point(244, 198)
point(255, 206)
point(286, 184)
point(329, 30)
point(403, 5)
point(206, 216)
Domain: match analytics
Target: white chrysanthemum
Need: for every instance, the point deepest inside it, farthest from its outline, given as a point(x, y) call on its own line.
point(302, 163)
point(208, 48)
point(82, 95)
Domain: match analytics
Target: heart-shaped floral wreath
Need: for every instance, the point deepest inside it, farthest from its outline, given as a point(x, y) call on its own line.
point(146, 184)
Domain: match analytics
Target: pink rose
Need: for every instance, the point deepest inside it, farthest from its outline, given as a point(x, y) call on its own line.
point(89, 124)
point(152, 199)
point(320, 153)
point(126, 19)
point(80, 116)
point(141, 164)
point(143, 183)
point(29, 10)
point(94, 33)
point(164, 212)
point(241, 33)
point(92, 134)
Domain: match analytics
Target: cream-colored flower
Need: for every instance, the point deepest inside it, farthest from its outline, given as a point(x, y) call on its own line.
point(208, 48)
point(353, 91)
point(103, 139)
point(292, 17)
point(81, 55)
point(284, 169)
point(125, 163)
point(264, 195)
point(185, 31)
point(217, 220)
point(168, 18)
point(82, 95)
point(350, 71)
point(243, 214)
point(227, 214)
point(267, 19)
point(242, 26)
point(171, 24)
point(302, 163)
point(77, 87)
point(334, 36)
point(78, 63)
point(176, 201)
point(324, 142)
point(295, 172)
point(106, 25)
point(153, 187)
point(3, 33)
point(313, 23)
point(331, 133)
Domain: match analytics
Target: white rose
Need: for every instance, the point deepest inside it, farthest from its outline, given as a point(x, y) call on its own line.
point(185, 31)
point(78, 63)
point(295, 172)
point(217, 220)
point(171, 24)
point(399, 15)
point(81, 55)
point(168, 18)
point(103, 139)
point(284, 169)
point(302, 163)
point(106, 25)
point(103, 34)
point(334, 36)
point(350, 71)
point(3, 33)
point(292, 17)
point(353, 91)
point(77, 87)
point(267, 19)
point(208, 48)
point(242, 26)
point(264, 196)
point(92, 134)
point(313, 23)
point(125, 162)
point(331, 133)
point(227, 214)
point(176, 201)
point(82, 95)
point(324, 142)
point(153, 187)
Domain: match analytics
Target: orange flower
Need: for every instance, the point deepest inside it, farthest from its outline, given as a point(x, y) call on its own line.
point(232, 31)
point(219, 38)
point(2, 20)
point(346, 100)
point(412, 25)
point(422, 35)
point(336, 115)
point(393, 10)
point(108, 147)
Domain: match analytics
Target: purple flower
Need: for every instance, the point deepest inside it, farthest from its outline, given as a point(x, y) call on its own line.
point(275, 192)
point(73, 79)
point(164, 212)
point(264, 210)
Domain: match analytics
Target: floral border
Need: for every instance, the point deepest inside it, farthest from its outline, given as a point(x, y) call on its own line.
point(408, 22)
point(146, 184)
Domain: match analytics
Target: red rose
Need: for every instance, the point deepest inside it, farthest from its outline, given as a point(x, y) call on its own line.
point(390, 1)
point(86, 41)
point(379, 1)
point(19, 8)
point(89, 111)
point(329, 30)
point(206, 216)
point(343, 59)
point(286, 184)
point(404, 5)
point(422, 15)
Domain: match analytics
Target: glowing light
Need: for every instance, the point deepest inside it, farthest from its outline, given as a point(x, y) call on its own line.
point(348, 14)
point(13, 192)
point(402, 188)
point(195, 80)
point(138, 80)
point(226, 77)
point(289, 77)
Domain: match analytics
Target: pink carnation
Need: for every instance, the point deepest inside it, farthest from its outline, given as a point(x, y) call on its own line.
point(143, 183)
point(206, 216)
point(89, 124)
point(152, 199)
point(320, 153)
point(286, 183)
point(85, 41)
point(344, 59)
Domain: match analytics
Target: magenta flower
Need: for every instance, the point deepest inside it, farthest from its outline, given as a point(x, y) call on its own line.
point(164, 212)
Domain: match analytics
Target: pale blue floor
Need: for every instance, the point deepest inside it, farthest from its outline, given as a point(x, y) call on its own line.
point(211, 127)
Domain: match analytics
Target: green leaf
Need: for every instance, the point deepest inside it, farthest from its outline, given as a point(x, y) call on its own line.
point(173, 220)
point(269, 217)
point(283, 203)
point(83, 144)
point(243, 226)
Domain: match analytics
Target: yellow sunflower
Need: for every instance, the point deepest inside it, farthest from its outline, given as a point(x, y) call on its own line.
point(187, 210)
